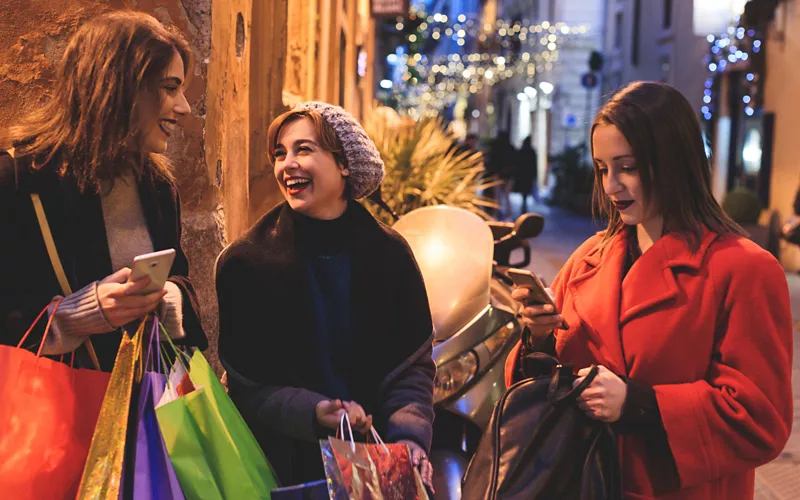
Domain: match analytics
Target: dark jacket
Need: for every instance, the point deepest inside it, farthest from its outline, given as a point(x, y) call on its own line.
point(266, 327)
point(27, 280)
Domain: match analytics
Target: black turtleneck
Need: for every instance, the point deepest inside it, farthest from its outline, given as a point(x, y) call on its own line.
point(324, 248)
point(316, 237)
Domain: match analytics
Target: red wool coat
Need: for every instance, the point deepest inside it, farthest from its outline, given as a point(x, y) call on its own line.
point(710, 331)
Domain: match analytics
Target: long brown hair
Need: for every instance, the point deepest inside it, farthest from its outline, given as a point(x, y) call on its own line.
point(663, 131)
point(88, 128)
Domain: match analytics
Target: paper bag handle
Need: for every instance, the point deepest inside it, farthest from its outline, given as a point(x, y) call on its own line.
point(46, 328)
point(346, 420)
point(55, 261)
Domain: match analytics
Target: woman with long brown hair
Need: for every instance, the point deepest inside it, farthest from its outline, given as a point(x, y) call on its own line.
point(689, 322)
point(94, 155)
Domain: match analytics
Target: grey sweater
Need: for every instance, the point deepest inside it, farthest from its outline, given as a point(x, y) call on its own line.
point(79, 314)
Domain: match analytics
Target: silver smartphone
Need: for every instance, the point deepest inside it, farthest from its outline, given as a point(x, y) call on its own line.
point(154, 265)
point(538, 294)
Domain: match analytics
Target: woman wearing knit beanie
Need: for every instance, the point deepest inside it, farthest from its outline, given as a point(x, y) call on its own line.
point(322, 308)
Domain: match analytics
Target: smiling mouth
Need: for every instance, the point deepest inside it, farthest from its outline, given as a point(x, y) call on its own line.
point(623, 204)
point(295, 185)
point(167, 126)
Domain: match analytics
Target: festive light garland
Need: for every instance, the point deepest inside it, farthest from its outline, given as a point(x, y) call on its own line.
point(501, 50)
point(734, 50)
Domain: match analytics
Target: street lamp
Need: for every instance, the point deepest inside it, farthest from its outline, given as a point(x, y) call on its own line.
point(546, 87)
point(530, 92)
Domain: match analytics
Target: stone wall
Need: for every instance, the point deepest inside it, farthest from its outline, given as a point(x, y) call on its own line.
point(31, 43)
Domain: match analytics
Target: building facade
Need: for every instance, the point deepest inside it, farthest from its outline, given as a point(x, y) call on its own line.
point(653, 40)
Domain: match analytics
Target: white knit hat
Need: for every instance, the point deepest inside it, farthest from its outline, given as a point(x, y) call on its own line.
point(363, 159)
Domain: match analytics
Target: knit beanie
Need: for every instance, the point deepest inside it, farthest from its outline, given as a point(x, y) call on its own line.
point(363, 159)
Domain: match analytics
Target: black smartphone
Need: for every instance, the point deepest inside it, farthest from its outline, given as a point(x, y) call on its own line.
point(538, 295)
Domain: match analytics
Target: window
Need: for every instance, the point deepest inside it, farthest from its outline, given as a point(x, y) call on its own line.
point(667, 14)
point(637, 14)
point(618, 27)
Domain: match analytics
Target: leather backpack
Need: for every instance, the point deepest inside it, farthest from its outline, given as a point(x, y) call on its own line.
point(540, 445)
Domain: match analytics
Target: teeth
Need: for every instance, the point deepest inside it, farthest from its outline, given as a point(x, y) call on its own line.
point(167, 125)
point(296, 182)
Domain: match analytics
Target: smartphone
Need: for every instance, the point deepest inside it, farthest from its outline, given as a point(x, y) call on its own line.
point(538, 295)
point(156, 266)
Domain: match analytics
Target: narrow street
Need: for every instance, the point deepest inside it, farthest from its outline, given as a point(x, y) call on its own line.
point(564, 232)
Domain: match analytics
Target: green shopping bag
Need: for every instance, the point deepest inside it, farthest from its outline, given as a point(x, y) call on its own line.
point(214, 453)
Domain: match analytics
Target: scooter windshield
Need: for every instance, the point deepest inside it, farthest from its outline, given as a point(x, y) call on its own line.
point(454, 250)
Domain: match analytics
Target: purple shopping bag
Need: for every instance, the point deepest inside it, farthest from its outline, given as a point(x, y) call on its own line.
point(148, 469)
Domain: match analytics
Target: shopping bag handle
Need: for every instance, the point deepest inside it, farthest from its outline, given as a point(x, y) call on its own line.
point(138, 350)
point(154, 337)
point(55, 304)
point(46, 328)
point(378, 439)
point(346, 420)
point(55, 261)
point(183, 357)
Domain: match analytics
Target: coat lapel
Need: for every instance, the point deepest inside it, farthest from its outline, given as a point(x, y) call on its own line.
point(605, 302)
point(596, 292)
point(651, 282)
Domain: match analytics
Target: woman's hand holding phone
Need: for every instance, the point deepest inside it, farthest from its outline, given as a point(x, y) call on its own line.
point(538, 307)
point(120, 300)
point(541, 319)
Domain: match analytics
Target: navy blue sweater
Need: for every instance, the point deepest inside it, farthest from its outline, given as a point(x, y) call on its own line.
point(323, 247)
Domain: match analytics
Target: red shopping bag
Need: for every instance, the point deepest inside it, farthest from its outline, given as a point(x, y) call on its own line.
point(48, 411)
point(360, 471)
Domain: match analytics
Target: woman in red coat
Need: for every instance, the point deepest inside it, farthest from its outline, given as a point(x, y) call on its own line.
point(689, 321)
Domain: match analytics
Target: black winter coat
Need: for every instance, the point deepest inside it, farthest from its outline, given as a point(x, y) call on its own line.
point(267, 326)
point(27, 280)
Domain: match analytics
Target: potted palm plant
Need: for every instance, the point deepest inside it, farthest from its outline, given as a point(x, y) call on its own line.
point(423, 167)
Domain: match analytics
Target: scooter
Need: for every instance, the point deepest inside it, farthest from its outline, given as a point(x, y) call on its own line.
point(463, 260)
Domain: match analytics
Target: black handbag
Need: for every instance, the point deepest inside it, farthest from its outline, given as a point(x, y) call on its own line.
point(540, 445)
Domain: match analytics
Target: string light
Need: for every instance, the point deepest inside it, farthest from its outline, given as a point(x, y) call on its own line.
point(499, 51)
point(732, 50)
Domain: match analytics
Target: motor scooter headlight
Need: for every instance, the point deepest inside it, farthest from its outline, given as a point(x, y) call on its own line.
point(452, 376)
point(496, 343)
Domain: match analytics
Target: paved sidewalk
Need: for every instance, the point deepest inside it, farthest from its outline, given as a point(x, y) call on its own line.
point(780, 479)
point(564, 232)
